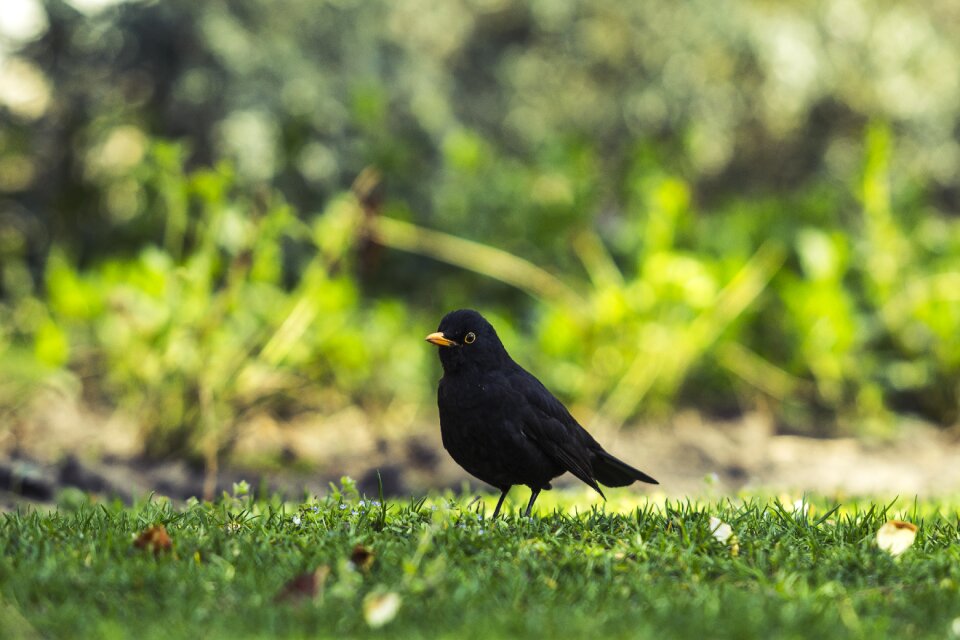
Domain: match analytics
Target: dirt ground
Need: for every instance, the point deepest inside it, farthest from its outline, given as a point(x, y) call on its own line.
point(67, 446)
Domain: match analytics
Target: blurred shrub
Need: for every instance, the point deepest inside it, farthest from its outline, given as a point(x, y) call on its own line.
point(193, 337)
point(719, 205)
point(512, 122)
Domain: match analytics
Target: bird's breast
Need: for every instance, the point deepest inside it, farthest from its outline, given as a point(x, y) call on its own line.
point(482, 427)
point(464, 394)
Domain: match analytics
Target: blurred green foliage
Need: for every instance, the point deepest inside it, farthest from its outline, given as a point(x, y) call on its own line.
point(192, 336)
point(716, 205)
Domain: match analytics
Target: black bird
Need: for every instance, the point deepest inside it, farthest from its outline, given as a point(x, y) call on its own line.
point(503, 426)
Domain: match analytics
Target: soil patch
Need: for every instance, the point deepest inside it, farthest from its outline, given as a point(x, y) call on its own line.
point(689, 456)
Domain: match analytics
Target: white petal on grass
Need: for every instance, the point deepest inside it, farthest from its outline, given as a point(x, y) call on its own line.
point(896, 536)
point(720, 529)
point(380, 608)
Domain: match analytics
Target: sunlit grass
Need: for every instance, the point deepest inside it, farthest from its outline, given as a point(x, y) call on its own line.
point(636, 566)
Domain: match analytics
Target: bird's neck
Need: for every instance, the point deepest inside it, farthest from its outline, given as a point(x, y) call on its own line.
point(455, 364)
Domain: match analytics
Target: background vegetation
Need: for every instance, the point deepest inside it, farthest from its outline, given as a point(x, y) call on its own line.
point(214, 210)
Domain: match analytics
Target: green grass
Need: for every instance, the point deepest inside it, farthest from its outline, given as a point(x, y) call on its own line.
point(631, 568)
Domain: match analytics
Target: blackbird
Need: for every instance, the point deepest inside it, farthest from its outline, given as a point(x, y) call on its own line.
point(503, 426)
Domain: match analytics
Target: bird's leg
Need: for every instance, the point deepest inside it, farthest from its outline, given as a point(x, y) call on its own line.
point(503, 495)
point(533, 497)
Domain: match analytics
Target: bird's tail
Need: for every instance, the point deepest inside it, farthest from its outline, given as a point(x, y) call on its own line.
point(612, 472)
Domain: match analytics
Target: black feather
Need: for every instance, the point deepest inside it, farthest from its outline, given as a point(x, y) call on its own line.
point(503, 426)
point(613, 472)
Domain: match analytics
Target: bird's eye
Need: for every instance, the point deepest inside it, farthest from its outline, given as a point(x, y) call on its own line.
point(470, 338)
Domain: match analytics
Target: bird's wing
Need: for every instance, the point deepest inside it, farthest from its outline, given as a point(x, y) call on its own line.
point(548, 424)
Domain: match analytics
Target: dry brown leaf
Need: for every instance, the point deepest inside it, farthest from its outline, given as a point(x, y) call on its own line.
point(361, 557)
point(154, 539)
point(304, 586)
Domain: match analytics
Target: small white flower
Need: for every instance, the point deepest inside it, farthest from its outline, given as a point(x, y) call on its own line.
point(342, 506)
point(362, 504)
point(296, 520)
point(379, 609)
point(896, 536)
point(721, 530)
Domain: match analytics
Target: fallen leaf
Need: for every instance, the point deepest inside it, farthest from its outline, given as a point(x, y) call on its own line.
point(380, 608)
point(154, 539)
point(361, 557)
point(304, 586)
point(896, 536)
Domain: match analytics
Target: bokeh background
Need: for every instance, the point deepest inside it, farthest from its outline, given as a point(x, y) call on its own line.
point(225, 227)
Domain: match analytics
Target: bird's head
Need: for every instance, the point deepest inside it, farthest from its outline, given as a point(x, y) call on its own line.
point(466, 338)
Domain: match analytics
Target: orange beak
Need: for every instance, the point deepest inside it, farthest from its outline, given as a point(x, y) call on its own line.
point(439, 340)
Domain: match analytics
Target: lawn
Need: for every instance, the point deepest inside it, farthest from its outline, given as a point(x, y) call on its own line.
point(436, 567)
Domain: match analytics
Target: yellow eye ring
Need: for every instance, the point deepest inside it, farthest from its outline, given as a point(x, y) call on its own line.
point(470, 338)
